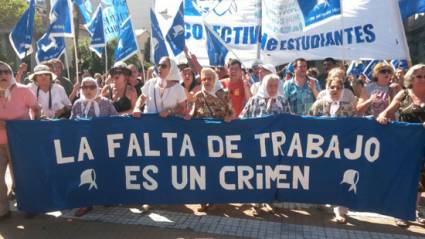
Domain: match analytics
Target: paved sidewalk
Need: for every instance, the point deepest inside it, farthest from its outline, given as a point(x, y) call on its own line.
point(221, 221)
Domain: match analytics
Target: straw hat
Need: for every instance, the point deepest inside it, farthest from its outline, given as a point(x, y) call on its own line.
point(40, 70)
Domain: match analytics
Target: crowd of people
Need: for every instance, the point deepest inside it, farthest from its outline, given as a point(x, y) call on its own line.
point(227, 93)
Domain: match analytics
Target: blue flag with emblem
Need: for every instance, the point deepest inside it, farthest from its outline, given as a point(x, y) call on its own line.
point(127, 44)
point(61, 22)
point(400, 64)
point(159, 49)
point(115, 12)
point(97, 32)
point(369, 68)
point(49, 47)
point(356, 68)
point(86, 10)
point(175, 36)
point(411, 7)
point(21, 35)
point(216, 48)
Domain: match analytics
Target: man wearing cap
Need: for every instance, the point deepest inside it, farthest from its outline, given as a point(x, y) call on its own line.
point(17, 102)
point(301, 91)
point(50, 95)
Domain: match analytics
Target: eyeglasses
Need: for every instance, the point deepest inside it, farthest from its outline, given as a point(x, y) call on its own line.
point(90, 87)
point(385, 71)
point(334, 87)
point(162, 66)
point(6, 72)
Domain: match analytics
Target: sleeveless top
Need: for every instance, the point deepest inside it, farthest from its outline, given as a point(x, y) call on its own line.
point(123, 103)
point(410, 112)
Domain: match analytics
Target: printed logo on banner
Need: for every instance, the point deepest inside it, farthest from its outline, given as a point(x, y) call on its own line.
point(319, 10)
point(217, 7)
point(351, 177)
point(88, 176)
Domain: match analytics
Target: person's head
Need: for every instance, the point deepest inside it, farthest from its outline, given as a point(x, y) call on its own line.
point(89, 88)
point(42, 76)
point(334, 86)
point(6, 76)
point(313, 72)
point(266, 69)
point(208, 78)
point(187, 75)
point(164, 67)
point(271, 82)
point(134, 72)
point(99, 79)
point(415, 77)
point(337, 72)
point(235, 69)
point(382, 73)
point(300, 67)
point(57, 67)
point(328, 64)
point(119, 76)
point(221, 72)
point(256, 67)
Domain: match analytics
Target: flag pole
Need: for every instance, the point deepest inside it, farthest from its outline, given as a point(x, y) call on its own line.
point(106, 58)
point(76, 28)
point(67, 65)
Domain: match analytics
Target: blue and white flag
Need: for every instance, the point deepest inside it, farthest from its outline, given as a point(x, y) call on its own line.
point(400, 64)
point(411, 7)
point(368, 70)
point(21, 35)
point(159, 49)
point(175, 36)
point(49, 47)
point(115, 12)
point(342, 29)
point(356, 68)
point(86, 10)
point(217, 50)
point(97, 32)
point(127, 43)
point(61, 22)
point(237, 22)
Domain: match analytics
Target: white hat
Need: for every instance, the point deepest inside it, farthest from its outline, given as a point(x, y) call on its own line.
point(269, 67)
point(42, 69)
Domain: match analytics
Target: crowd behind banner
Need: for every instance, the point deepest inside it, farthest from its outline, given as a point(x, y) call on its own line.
point(228, 93)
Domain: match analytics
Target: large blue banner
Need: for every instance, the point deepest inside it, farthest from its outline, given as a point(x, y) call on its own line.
point(106, 161)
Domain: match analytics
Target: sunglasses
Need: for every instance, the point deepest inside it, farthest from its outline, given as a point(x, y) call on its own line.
point(90, 87)
point(6, 72)
point(385, 71)
point(162, 66)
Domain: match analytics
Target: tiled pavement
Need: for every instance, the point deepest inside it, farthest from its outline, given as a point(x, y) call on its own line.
point(226, 226)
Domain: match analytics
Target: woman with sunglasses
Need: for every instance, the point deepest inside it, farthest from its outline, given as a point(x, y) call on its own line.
point(122, 95)
point(163, 94)
point(91, 104)
point(377, 95)
point(410, 104)
point(17, 102)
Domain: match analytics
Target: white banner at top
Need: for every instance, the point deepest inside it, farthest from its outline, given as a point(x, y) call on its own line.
point(344, 29)
point(237, 22)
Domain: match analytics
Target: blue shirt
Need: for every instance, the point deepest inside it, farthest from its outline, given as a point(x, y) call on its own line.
point(300, 98)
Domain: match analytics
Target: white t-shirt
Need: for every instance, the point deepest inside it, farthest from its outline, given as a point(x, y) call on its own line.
point(156, 103)
point(59, 99)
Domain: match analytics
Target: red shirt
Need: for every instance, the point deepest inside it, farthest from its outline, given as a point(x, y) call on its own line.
point(236, 94)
